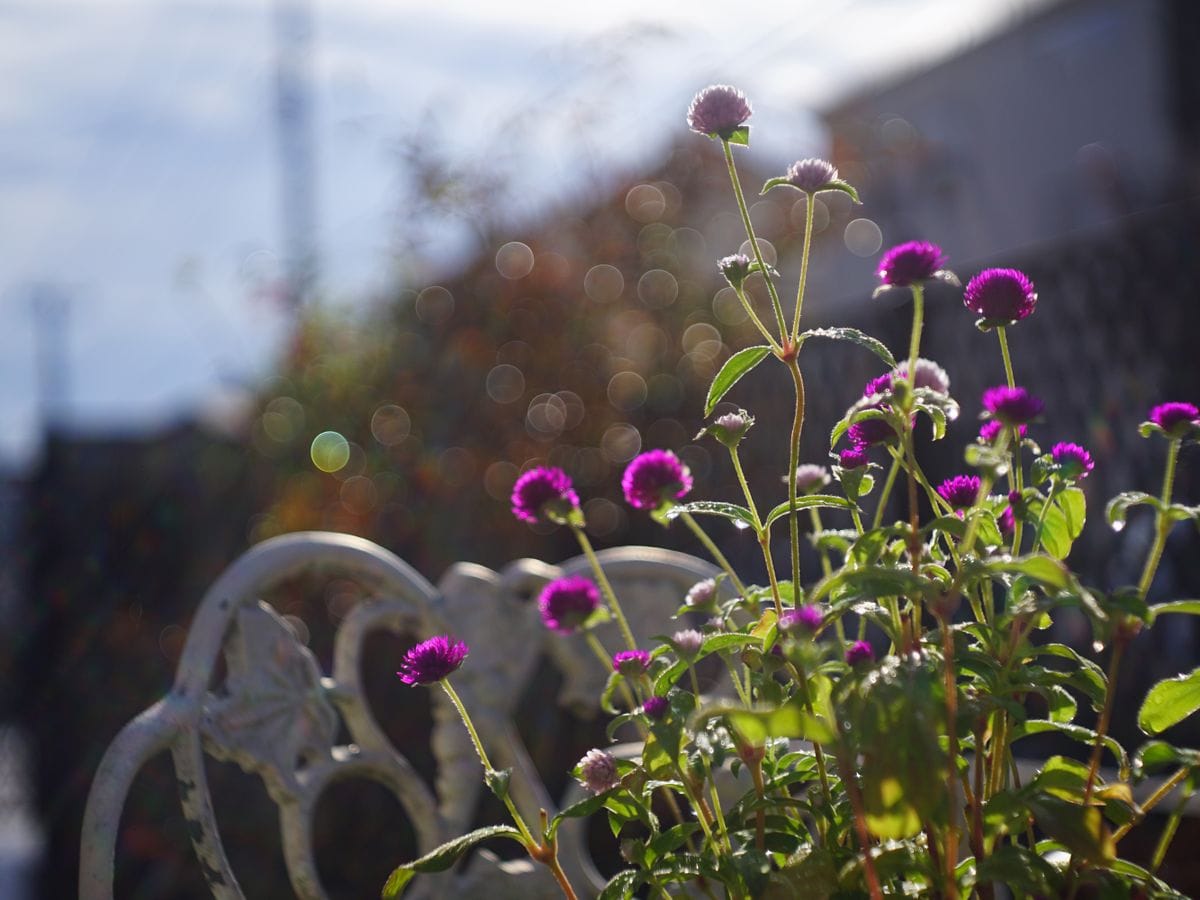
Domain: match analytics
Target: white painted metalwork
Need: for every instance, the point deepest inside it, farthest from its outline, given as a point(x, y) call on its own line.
point(277, 715)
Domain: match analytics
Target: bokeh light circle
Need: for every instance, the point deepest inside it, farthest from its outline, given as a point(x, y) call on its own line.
point(330, 451)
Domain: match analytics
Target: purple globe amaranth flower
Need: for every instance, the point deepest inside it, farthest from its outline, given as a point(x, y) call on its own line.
point(990, 430)
point(631, 663)
point(1012, 405)
point(1000, 296)
point(1073, 461)
point(810, 478)
point(859, 652)
point(1007, 521)
point(735, 268)
point(655, 707)
point(810, 175)
point(853, 457)
point(867, 432)
point(959, 491)
point(909, 263)
point(928, 375)
point(654, 478)
point(881, 384)
point(566, 603)
point(702, 594)
point(802, 620)
point(544, 494)
point(1175, 418)
point(598, 771)
point(432, 660)
point(688, 642)
point(718, 110)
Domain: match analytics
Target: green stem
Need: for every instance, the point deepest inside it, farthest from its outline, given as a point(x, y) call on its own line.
point(741, 202)
point(764, 537)
point(1008, 368)
point(914, 343)
point(713, 551)
point(1162, 525)
point(530, 843)
point(606, 588)
point(1168, 835)
point(808, 230)
point(951, 855)
point(1110, 694)
point(741, 295)
point(886, 493)
point(793, 462)
point(1152, 801)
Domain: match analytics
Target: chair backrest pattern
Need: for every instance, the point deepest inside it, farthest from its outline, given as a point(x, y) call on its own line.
point(276, 715)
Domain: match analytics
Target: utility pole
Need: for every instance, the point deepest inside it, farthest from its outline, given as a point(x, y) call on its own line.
point(51, 311)
point(294, 124)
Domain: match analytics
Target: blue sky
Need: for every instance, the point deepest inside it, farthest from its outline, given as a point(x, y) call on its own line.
point(138, 169)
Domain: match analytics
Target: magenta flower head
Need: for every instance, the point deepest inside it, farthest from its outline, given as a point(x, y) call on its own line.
point(702, 594)
point(718, 111)
point(990, 430)
point(860, 652)
point(655, 707)
point(959, 491)
point(1012, 406)
point(1073, 461)
point(928, 375)
point(1000, 296)
point(853, 457)
point(566, 603)
point(881, 384)
point(868, 432)
point(810, 478)
point(631, 663)
point(911, 263)
point(735, 268)
point(432, 660)
point(654, 478)
point(544, 494)
point(802, 620)
point(1176, 419)
point(1007, 521)
point(598, 771)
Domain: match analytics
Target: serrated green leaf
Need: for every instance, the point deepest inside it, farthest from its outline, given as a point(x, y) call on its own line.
point(1170, 702)
point(735, 367)
point(443, 857)
point(854, 336)
point(739, 515)
point(808, 501)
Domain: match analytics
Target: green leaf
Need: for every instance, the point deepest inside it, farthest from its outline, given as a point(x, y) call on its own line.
point(1017, 867)
point(775, 182)
point(1073, 503)
point(1075, 732)
point(791, 720)
point(1080, 829)
point(621, 885)
point(740, 136)
point(1170, 702)
point(1118, 507)
point(735, 367)
point(854, 336)
point(584, 807)
point(1043, 569)
point(809, 501)
point(844, 187)
point(1189, 607)
point(1156, 755)
point(1055, 533)
point(444, 857)
point(739, 515)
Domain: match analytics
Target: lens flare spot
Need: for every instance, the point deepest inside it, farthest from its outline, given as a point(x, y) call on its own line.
point(514, 260)
point(330, 451)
